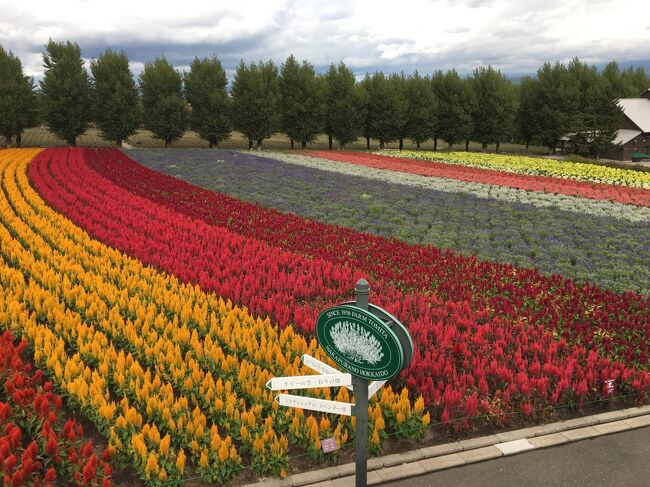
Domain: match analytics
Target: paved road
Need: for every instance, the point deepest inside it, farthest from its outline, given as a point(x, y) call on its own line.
point(617, 460)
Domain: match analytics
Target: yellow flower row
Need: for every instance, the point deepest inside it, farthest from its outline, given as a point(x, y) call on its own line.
point(535, 166)
point(128, 374)
point(81, 383)
point(145, 335)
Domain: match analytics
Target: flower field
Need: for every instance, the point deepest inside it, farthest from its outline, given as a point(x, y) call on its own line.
point(631, 188)
point(38, 445)
point(533, 165)
point(584, 239)
point(159, 309)
point(173, 377)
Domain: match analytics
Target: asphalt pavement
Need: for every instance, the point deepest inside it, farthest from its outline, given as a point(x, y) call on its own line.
point(615, 460)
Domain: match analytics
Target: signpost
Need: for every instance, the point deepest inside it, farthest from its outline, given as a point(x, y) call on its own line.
point(369, 344)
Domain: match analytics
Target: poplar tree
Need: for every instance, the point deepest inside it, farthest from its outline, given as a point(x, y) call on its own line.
point(455, 109)
point(301, 101)
point(437, 81)
point(618, 85)
point(65, 87)
point(165, 111)
point(599, 122)
point(255, 98)
point(205, 90)
point(527, 115)
point(114, 96)
point(558, 101)
point(493, 113)
point(17, 98)
point(343, 105)
point(420, 109)
point(385, 111)
point(637, 78)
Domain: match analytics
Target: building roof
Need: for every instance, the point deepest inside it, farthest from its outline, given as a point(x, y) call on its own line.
point(623, 136)
point(637, 110)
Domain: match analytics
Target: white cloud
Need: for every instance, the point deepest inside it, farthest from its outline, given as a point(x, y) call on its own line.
point(513, 35)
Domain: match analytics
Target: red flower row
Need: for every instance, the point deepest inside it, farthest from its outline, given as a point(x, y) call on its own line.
point(499, 289)
point(464, 358)
point(57, 453)
point(546, 184)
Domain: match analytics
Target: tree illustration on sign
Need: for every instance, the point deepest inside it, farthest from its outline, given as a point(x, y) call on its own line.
point(358, 344)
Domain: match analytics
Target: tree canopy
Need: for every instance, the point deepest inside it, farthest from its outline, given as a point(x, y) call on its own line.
point(255, 99)
point(301, 101)
point(493, 107)
point(343, 115)
point(385, 108)
point(165, 110)
point(17, 98)
point(65, 87)
point(114, 96)
point(455, 107)
point(206, 93)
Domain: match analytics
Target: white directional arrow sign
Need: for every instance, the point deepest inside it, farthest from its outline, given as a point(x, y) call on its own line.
point(318, 366)
point(309, 381)
point(313, 404)
point(323, 368)
point(373, 387)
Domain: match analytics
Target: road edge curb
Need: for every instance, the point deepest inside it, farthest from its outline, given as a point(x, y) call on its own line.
point(439, 457)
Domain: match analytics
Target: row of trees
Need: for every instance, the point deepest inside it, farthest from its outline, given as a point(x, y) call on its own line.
point(264, 99)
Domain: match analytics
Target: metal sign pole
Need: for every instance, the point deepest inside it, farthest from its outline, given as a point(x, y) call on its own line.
point(361, 403)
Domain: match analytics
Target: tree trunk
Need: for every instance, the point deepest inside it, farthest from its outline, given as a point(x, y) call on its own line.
point(259, 144)
point(435, 143)
point(118, 142)
point(466, 145)
point(483, 146)
point(19, 139)
point(329, 140)
point(527, 145)
point(341, 145)
point(451, 145)
point(250, 143)
point(368, 143)
point(417, 144)
point(168, 143)
point(8, 141)
point(211, 144)
point(381, 144)
point(401, 144)
point(498, 146)
point(72, 141)
point(292, 144)
point(303, 144)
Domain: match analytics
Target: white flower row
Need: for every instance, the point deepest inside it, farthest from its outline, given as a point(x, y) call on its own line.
point(480, 190)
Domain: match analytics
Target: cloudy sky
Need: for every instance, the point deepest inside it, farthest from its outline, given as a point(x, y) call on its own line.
point(516, 36)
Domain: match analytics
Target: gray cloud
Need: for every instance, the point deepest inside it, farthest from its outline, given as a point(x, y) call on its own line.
point(515, 37)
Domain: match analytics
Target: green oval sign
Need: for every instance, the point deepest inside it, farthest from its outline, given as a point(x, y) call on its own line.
point(397, 327)
point(359, 342)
